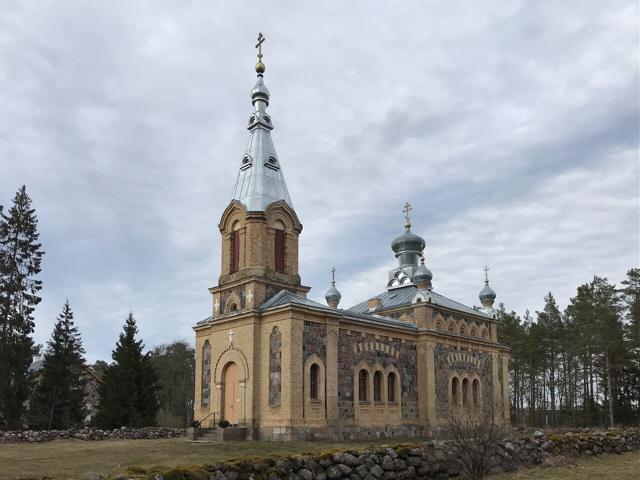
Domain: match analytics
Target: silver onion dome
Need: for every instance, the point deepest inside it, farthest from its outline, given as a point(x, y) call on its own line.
point(422, 275)
point(487, 293)
point(333, 294)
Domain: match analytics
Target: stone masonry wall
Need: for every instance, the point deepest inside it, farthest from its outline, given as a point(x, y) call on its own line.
point(275, 367)
point(426, 461)
point(449, 360)
point(354, 347)
point(314, 341)
point(123, 433)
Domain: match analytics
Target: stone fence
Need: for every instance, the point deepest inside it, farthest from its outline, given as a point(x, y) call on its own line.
point(430, 460)
point(123, 433)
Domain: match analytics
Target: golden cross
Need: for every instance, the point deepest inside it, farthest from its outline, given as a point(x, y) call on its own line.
point(407, 220)
point(259, 45)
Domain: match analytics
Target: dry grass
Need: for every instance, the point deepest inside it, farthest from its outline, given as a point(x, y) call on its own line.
point(76, 459)
point(605, 467)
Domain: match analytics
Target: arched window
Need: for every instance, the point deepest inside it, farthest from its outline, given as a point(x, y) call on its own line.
point(438, 325)
point(233, 307)
point(451, 327)
point(454, 390)
point(234, 247)
point(377, 386)
point(475, 388)
point(465, 392)
point(474, 333)
point(463, 330)
point(314, 374)
point(206, 374)
point(391, 388)
point(485, 334)
point(363, 385)
point(279, 251)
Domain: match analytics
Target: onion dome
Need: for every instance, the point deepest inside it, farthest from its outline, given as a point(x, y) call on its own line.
point(333, 295)
point(487, 295)
point(408, 247)
point(423, 276)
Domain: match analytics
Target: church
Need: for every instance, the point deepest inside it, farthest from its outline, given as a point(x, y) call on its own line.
point(284, 367)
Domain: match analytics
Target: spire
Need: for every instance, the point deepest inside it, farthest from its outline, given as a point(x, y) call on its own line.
point(260, 181)
point(333, 295)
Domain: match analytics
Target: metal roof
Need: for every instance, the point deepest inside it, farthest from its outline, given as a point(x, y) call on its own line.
point(260, 180)
point(399, 297)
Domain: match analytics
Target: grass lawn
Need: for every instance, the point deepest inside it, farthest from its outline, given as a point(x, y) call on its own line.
point(76, 459)
point(604, 467)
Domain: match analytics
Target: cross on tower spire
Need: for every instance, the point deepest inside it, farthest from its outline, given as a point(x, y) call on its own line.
point(407, 219)
point(486, 274)
point(260, 67)
point(333, 275)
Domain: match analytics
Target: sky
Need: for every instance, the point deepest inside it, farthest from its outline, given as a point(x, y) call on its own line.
point(512, 127)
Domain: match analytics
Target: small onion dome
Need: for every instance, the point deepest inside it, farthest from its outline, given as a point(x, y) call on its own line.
point(260, 91)
point(408, 242)
point(487, 293)
point(422, 274)
point(333, 294)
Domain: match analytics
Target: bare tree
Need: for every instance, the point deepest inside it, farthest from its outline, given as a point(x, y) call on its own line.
point(475, 434)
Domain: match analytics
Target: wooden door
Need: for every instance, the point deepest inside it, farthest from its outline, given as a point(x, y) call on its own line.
point(231, 411)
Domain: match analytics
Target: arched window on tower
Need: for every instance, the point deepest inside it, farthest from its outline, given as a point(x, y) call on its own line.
point(314, 373)
point(279, 250)
point(377, 386)
point(391, 388)
point(363, 386)
point(234, 251)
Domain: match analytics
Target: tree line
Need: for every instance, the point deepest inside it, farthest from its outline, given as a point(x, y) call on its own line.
point(136, 389)
point(579, 366)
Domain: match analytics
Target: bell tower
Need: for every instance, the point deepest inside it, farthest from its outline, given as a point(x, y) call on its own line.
point(259, 229)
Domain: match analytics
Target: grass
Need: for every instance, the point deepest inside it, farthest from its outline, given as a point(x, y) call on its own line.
point(76, 459)
point(604, 467)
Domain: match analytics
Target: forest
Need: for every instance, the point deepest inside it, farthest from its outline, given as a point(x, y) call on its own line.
point(580, 366)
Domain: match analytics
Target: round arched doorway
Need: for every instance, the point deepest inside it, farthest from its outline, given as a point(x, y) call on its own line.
point(231, 393)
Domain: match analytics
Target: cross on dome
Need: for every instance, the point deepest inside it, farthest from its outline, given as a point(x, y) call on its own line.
point(406, 210)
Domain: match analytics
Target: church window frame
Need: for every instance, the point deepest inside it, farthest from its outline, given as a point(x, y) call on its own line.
point(377, 386)
point(363, 386)
point(485, 334)
point(455, 385)
point(465, 392)
point(392, 385)
point(234, 251)
point(475, 392)
point(205, 387)
point(279, 250)
point(314, 380)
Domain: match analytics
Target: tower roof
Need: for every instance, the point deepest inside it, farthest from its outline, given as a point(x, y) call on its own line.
point(260, 180)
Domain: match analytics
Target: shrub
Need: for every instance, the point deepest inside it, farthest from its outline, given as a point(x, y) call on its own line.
point(224, 424)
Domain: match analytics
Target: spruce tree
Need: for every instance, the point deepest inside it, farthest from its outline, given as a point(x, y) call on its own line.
point(20, 258)
point(129, 393)
point(58, 401)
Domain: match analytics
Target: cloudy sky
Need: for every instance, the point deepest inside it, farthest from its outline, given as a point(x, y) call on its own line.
point(511, 126)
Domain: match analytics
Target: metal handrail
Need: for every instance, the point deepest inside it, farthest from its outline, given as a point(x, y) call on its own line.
point(199, 422)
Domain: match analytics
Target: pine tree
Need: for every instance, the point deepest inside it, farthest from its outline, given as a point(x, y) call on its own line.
point(58, 401)
point(20, 259)
point(129, 394)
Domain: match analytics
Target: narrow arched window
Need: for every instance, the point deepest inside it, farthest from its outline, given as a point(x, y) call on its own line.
point(363, 385)
point(454, 391)
point(205, 395)
point(451, 327)
point(484, 334)
point(377, 386)
point(234, 252)
point(463, 330)
point(475, 388)
point(465, 392)
point(279, 250)
point(391, 388)
point(314, 375)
